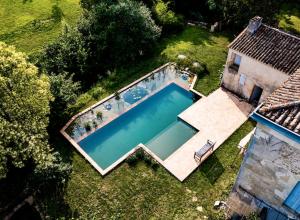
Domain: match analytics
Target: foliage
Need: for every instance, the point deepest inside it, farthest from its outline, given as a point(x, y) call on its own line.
point(197, 67)
point(68, 53)
point(99, 115)
point(57, 13)
point(141, 155)
point(64, 91)
point(89, 4)
point(117, 96)
point(53, 176)
point(24, 108)
point(167, 18)
point(233, 13)
point(118, 33)
point(289, 17)
point(152, 194)
point(87, 126)
point(29, 24)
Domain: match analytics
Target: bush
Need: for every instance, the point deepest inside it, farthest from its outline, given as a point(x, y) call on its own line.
point(167, 18)
point(57, 13)
point(148, 160)
point(132, 160)
point(118, 32)
point(95, 124)
point(67, 54)
point(199, 69)
point(87, 126)
point(97, 92)
point(142, 155)
point(99, 115)
point(81, 102)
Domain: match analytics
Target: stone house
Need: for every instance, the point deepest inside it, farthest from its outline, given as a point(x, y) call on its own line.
point(259, 60)
point(269, 178)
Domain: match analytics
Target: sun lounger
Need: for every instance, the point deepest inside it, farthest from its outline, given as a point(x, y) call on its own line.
point(208, 147)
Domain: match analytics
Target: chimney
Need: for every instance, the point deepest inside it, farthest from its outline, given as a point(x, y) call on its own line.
point(254, 24)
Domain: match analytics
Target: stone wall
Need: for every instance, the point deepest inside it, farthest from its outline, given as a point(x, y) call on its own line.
point(271, 168)
point(256, 73)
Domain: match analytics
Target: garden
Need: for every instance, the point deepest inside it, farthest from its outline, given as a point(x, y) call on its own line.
point(77, 53)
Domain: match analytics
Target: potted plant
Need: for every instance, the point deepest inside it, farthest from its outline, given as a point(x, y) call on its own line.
point(99, 115)
point(117, 96)
point(87, 126)
point(95, 124)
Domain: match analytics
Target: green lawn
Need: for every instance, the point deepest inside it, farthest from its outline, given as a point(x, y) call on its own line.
point(289, 18)
point(130, 192)
point(29, 24)
point(141, 193)
point(196, 43)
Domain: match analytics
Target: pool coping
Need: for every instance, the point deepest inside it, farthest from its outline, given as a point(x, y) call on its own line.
point(121, 159)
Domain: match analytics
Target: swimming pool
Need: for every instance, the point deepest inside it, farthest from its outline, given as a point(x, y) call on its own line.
point(153, 122)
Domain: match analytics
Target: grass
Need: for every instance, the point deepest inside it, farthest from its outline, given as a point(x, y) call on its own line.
point(196, 43)
point(289, 17)
point(127, 192)
point(139, 192)
point(29, 24)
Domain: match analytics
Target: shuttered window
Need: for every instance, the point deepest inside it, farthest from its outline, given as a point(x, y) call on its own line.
point(293, 200)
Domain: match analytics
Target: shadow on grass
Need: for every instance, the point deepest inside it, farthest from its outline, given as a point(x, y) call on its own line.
point(212, 169)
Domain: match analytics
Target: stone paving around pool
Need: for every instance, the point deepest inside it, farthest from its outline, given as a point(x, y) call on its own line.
point(216, 117)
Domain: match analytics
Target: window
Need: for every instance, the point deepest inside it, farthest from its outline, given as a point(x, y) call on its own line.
point(237, 60)
point(242, 79)
point(293, 200)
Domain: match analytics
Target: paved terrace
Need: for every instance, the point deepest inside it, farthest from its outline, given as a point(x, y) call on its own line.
point(216, 117)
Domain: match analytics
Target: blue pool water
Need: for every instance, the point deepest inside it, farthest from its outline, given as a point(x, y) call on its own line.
point(153, 122)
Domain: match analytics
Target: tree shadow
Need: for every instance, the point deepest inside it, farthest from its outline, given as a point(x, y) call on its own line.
point(212, 169)
point(25, 1)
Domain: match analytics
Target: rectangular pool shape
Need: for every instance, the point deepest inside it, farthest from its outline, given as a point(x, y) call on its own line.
point(153, 122)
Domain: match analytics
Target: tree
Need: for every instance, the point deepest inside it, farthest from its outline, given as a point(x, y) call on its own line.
point(67, 54)
point(167, 18)
point(24, 110)
point(118, 33)
point(65, 92)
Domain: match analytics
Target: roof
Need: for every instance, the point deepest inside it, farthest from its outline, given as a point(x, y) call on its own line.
point(283, 105)
point(270, 46)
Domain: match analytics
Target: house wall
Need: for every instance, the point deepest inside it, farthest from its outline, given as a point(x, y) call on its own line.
point(270, 169)
point(256, 73)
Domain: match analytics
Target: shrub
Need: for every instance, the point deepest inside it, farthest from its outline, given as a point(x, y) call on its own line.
point(67, 54)
point(82, 101)
point(201, 68)
point(120, 31)
point(155, 166)
point(95, 124)
point(148, 160)
point(167, 18)
point(132, 160)
point(57, 13)
point(97, 92)
point(87, 126)
point(117, 96)
point(140, 154)
point(99, 115)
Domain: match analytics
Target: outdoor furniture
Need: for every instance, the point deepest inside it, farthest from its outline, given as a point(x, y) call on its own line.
point(208, 147)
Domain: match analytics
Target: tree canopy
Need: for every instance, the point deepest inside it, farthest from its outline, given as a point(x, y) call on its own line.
point(67, 54)
point(118, 33)
point(24, 110)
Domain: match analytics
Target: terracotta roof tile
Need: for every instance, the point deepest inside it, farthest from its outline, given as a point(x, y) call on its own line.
point(270, 46)
point(283, 105)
